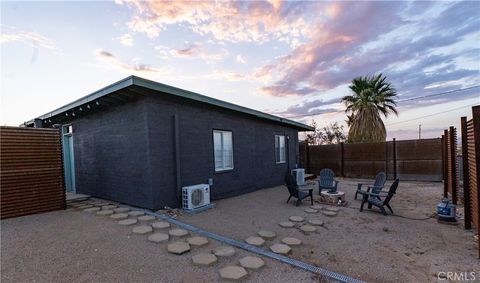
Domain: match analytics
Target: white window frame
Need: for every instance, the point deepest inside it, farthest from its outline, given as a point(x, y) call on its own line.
point(279, 158)
point(225, 166)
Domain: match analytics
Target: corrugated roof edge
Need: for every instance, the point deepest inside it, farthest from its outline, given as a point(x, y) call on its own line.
point(138, 81)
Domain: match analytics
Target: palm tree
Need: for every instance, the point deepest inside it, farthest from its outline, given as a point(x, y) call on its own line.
point(372, 96)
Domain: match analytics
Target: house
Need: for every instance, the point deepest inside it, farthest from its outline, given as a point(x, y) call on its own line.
point(139, 142)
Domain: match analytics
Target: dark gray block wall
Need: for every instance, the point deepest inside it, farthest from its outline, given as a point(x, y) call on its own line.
point(127, 153)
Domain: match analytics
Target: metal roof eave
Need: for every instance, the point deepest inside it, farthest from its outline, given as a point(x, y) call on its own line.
point(133, 80)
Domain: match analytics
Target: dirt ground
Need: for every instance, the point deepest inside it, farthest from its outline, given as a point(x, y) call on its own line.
point(73, 246)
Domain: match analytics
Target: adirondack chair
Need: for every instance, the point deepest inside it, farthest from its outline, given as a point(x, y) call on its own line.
point(295, 192)
point(377, 186)
point(373, 199)
point(326, 181)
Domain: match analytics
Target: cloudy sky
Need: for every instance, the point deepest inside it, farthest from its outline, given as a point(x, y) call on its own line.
point(293, 59)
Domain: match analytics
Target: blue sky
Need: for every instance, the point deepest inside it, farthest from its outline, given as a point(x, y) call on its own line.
point(293, 59)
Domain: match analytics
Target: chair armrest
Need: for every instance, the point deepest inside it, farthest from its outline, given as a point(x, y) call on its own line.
point(378, 194)
point(376, 187)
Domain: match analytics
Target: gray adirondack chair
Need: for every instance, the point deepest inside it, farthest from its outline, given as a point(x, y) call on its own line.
point(377, 186)
point(295, 192)
point(326, 181)
point(373, 199)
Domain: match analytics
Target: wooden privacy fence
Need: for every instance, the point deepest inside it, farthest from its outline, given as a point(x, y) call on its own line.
point(450, 165)
point(419, 160)
point(31, 171)
point(471, 170)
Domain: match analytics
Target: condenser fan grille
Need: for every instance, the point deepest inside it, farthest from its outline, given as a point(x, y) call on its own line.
point(197, 197)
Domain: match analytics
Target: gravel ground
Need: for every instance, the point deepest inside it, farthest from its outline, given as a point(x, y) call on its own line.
point(73, 246)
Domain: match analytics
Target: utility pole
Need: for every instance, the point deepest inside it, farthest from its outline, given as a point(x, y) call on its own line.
point(420, 132)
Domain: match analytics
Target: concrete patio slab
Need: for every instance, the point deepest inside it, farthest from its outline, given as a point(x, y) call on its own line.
point(252, 262)
point(178, 248)
point(204, 259)
point(233, 272)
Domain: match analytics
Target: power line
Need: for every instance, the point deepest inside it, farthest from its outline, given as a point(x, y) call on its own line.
point(430, 115)
point(438, 94)
point(402, 100)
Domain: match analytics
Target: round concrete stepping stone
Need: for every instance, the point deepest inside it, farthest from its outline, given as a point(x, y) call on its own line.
point(121, 209)
point(332, 208)
point(296, 218)
point(329, 213)
point(158, 237)
point(308, 228)
point(224, 251)
point(136, 213)
point(204, 259)
point(177, 232)
point(316, 207)
point(178, 248)
point(142, 229)
point(146, 218)
point(286, 224)
point(92, 209)
point(119, 216)
point(291, 241)
point(267, 234)
point(109, 207)
point(255, 241)
point(104, 212)
point(84, 206)
point(100, 204)
point(197, 241)
point(280, 249)
point(310, 210)
point(252, 262)
point(315, 222)
point(127, 222)
point(160, 225)
point(233, 272)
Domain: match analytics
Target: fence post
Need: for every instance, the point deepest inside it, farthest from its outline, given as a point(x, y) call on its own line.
point(394, 159)
point(476, 137)
point(307, 157)
point(342, 161)
point(386, 159)
point(466, 180)
point(453, 163)
point(446, 174)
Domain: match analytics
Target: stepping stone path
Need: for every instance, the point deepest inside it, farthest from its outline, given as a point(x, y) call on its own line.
point(121, 209)
point(252, 262)
point(204, 259)
point(146, 218)
point(332, 208)
point(310, 210)
point(197, 241)
point(92, 209)
point(177, 232)
point(108, 207)
point(158, 237)
point(286, 224)
point(178, 248)
point(119, 216)
point(316, 222)
point(233, 272)
point(291, 241)
point(136, 213)
point(329, 213)
point(224, 251)
point(104, 212)
point(255, 241)
point(127, 222)
point(280, 249)
point(267, 234)
point(317, 207)
point(308, 228)
point(296, 218)
point(160, 225)
point(142, 229)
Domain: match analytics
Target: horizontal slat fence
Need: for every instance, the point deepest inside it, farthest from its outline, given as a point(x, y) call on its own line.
point(31, 171)
point(418, 160)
